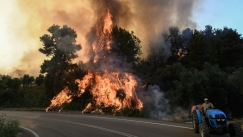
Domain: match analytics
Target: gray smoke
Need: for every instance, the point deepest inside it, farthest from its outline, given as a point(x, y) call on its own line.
point(156, 106)
point(160, 48)
point(17, 73)
point(64, 41)
point(147, 18)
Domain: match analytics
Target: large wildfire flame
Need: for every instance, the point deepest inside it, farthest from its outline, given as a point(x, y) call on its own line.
point(111, 89)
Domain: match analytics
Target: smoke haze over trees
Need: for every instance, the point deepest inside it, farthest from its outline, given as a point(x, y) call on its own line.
point(186, 65)
point(211, 67)
point(146, 18)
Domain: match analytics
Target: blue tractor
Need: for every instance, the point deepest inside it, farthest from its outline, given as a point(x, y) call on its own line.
point(213, 121)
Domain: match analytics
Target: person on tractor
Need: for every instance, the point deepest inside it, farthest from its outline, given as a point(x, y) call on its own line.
point(209, 120)
point(206, 105)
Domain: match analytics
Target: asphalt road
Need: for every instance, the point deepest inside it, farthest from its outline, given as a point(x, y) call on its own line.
point(41, 124)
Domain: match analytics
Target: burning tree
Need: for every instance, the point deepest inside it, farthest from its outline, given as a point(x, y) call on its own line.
point(113, 87)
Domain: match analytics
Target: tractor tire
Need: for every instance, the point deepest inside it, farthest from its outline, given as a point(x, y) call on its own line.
point(235, 130)
point(195, 123)
point(204, 130)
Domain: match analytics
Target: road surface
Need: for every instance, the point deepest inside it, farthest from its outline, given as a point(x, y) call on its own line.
point(42, 124)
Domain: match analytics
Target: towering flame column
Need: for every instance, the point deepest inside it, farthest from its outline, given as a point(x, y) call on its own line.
point(108, 24)
point(102, 45)
point(112, 87)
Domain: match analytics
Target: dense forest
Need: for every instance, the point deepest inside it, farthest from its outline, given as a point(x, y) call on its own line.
point(188, 65)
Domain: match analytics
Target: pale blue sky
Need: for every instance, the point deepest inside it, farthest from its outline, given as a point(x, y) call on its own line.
point(219, 13)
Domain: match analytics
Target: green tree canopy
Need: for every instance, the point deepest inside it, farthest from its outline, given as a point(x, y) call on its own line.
point(198, 50)
point(230, 48)
point(194, 85)
point(126, 44)
point(40, 80)
point(60, 46)
point(236, 79)
point(175, 39)
point(7, 82)
point(216, 46)
point(27, 80)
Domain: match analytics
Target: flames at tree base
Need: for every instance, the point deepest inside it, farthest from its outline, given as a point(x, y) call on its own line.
point(112, 92)
point(112, 87)
point(64, 96)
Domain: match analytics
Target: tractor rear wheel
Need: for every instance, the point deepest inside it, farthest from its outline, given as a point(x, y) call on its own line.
point(235, 130)
point(195, 123)
point(204, 130)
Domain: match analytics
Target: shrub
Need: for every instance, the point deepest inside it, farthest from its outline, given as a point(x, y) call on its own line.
point(239, 121)
point(131, 112)
point(8, 128)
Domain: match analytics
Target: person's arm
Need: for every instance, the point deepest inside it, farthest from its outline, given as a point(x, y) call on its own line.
point(212, 105)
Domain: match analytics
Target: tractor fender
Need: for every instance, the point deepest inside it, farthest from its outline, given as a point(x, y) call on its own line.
point(198, 113)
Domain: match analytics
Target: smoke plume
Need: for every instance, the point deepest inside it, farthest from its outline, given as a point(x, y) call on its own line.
point(156, 106)
point(147, 18)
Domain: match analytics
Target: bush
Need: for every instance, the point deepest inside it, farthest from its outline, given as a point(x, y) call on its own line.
point(8, 128)
point(131, 112)
point(239, 121)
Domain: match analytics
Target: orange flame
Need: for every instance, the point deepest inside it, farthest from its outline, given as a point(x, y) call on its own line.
point(103, 40)
point(110, 89)
point(106, 91)
point(63, 97)
point(108, 24)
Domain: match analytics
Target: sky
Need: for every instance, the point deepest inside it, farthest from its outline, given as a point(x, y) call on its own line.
point(21, 27)
point(219, 13)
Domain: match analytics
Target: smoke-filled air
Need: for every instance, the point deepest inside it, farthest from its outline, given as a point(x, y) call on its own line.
point(110, 79)
point(146, 18)
point(142, 58)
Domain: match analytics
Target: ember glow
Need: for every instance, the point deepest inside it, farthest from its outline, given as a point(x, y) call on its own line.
point(112, 88)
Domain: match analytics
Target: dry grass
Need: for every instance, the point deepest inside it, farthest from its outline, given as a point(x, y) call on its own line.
point(239, 121)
